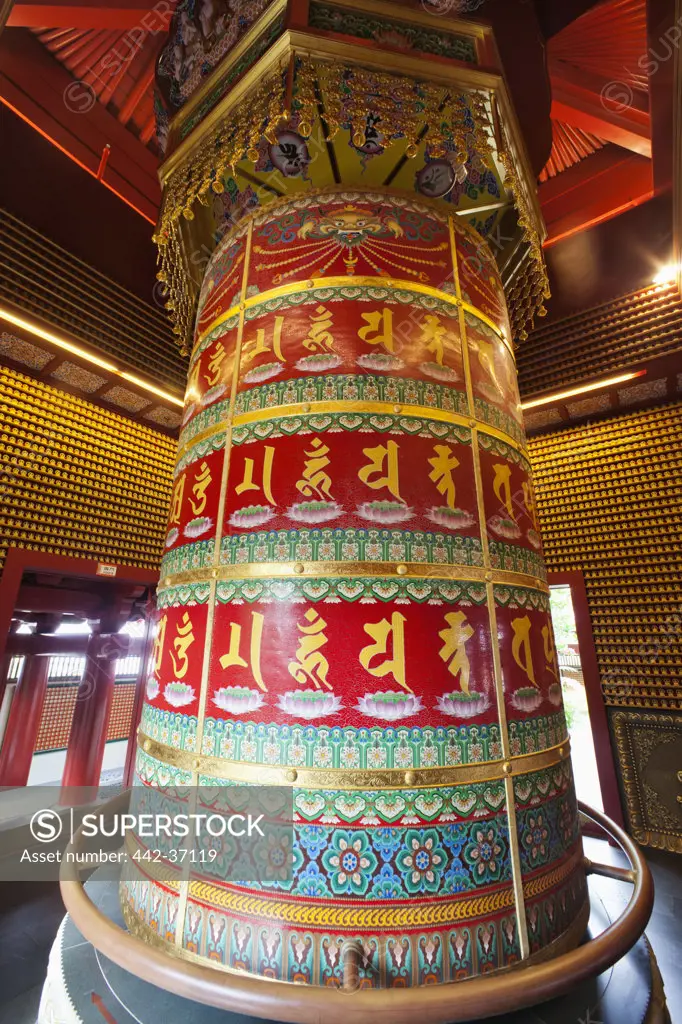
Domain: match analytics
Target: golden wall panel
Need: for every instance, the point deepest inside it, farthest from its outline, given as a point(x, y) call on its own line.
point(78, 480)
point(610, 504)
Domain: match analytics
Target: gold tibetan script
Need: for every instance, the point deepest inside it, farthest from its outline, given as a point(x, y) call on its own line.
point(314, 480)
point(202, 481)
point(257, 346)
point(311, 666)
point(319, 338)
point(382, 470)
point(521, 651)
point(454, 639)
point(233, 656)
point(443, 464)
point(248, 483)
point(381, 632)
point(379, 329)
point(183, 640)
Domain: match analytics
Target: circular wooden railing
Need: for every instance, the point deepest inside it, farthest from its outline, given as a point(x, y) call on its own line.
point(448, 1003)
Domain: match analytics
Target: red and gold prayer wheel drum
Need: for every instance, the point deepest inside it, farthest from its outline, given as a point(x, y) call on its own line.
point(354, 605)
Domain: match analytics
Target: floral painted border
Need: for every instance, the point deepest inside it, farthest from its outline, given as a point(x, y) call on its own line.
point(351, 589)
point(352, 545)
point(381, 423)
point(352, 388)
point(336, 747)
point(188, 557)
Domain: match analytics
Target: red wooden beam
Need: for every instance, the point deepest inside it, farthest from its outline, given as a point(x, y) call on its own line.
point(611, 110)
point(121, 14)
point(65, 111)
point(598, 188)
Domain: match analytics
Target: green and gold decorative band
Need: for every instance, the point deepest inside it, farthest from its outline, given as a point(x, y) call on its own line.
point(357, 570)
point(340, 778)
point(384, 283)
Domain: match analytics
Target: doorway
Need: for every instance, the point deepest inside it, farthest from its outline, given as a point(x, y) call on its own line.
point(593, 766)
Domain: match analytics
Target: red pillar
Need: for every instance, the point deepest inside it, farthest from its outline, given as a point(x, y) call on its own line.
point(24, 722)
point(88, 735)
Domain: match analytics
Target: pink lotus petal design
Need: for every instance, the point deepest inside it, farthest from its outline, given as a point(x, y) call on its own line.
point(309, 704)
point(439, 372)
point(463, 705)
point(172, 536)
point(555, 694)
point(238, 700)
point(389, 706)
point(527, 699)
point(213, 394)
point(504, 527)
point(196, 527)
point(319, 363)
point(385, 511)
point(534, 539)
point(251, 515)
point(264, 372)
point(381, 362)
point(152, 688)
point(451, 519)
point(314, 511)
point(178, 695)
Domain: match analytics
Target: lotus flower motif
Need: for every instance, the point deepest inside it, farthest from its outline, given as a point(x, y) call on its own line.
point(178, 695)
point(238, 700)
point(389, 706)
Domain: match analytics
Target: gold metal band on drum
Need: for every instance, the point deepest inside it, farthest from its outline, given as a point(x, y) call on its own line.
point(357, 570)
point(392, 283)
point(250, 773)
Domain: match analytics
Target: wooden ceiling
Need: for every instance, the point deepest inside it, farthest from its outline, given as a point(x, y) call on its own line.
point(81, 73)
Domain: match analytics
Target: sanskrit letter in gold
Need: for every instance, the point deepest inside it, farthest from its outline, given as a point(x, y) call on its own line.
point(232, 655)
point(379, 329)
point(311, 666)
point(183, 640)
point(159, 641)
point(454, 647)
point(215, 365)
point(521, 646)
point(176, 501)
point(320, 338)
point(443, 463)
point(314, 479)
point(202, 482)
point(382, 470)
point(381, 632)
point(248, 483)
point(551, 660)
point(433, 336)
point(257, 346)
point(502, 488)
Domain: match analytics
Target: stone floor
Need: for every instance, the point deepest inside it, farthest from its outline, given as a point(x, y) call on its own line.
point(30, 916)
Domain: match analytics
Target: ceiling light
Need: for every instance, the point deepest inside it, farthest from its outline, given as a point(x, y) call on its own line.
point(558, 396)
point(84, 354)
point(667, 274)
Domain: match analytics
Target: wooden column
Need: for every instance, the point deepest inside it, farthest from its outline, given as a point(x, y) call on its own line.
point(88, 736)
point(25, 715)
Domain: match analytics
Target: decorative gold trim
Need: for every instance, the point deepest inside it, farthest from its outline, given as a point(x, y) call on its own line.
point(476, 31)
point(356, 570)
point(249, 772)
point(622, 721)
point(312, 284)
